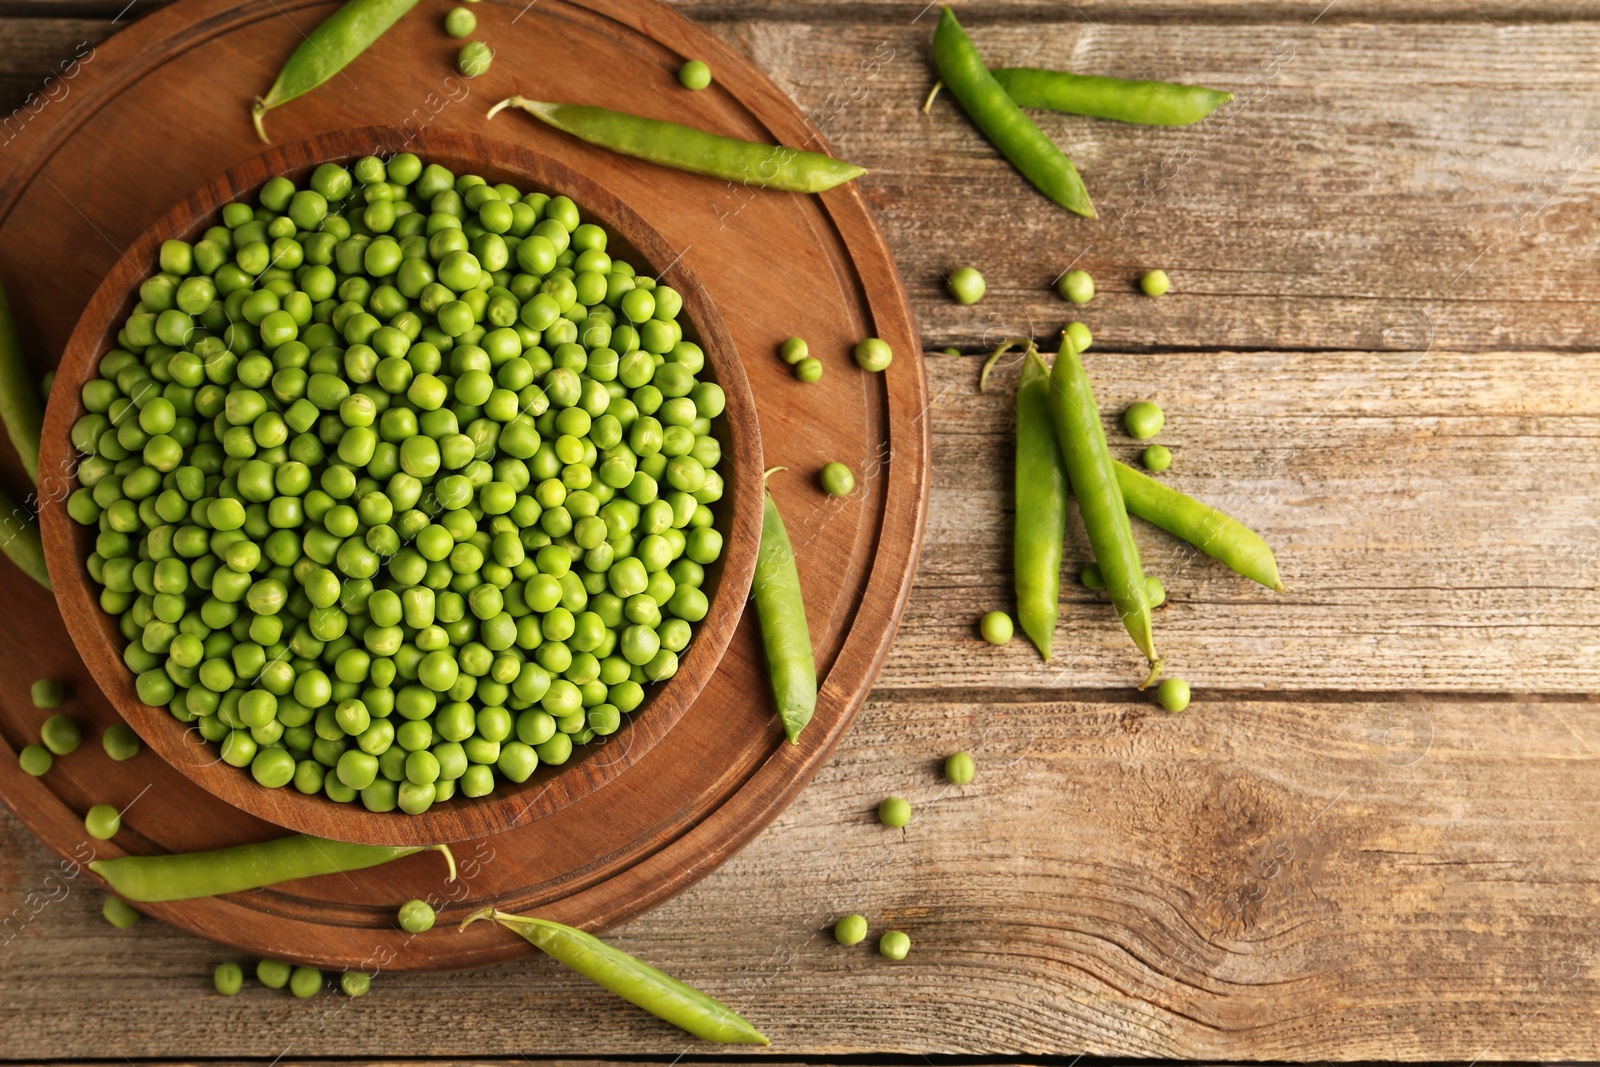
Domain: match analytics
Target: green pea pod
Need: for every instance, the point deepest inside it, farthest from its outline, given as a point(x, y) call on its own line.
point(1094, 483)
point(633, 980)
point(1012, 132)
point(782, 613)
point(19, 540)
point(686, 148)
point(20, 404)
point(1041, 508)
point(186, 875)
point(1147, 103)
point(328, 49)
point(1223, 539)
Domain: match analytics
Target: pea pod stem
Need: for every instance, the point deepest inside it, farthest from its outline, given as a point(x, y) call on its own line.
point(785, 634)
point(629, 978)
point(1089, 467)
point(328, 49)
point(1144, 103)
point(187, 875)
point(1008, 129)
point(20, 404)
point(1041, 497)
point(686, 148)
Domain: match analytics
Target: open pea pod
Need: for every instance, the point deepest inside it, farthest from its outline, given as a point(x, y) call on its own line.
point(633, 980)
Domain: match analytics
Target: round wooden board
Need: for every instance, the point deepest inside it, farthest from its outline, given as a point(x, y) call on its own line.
point(159, 109)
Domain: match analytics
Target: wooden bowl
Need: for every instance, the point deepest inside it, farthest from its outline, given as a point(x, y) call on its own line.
point(738, 513)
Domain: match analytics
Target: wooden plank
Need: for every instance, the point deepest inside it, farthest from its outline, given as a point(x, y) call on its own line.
point(1433, 521)
point(1253, 879)
point(1426, 184)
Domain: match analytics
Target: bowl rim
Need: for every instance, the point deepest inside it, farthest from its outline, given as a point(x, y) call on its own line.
point(95, 633)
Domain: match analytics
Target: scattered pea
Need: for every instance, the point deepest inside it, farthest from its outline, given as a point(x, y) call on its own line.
point(1173, 694)
point(120, 742)
point(102, 822)
point(694, 74)
point(48, 693)
point(808, 369)
point(1091, 578)
point(837, 479)
point(894, 812)
point(794, 350)
point(416, 916)
point(1155, 283)
point(966, 285)
point(1155, 591)
point(460, 22)
point(1076, 286)
point(952, 351)
point(228, 979)
point(60, 735)
point(996, 627)
point(355, 983)
point(850, 930)
point(1144, 419)
point(274, 974)
point(1156, 458)
point(1080, 336)
point(894, 945)
point(874, 355)
point(305, 982)
point(474, 59)
point(119, 913)
point(35, 760)
point(959, 768)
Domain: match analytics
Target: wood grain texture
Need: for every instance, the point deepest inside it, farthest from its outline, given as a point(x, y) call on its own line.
point(1255, 878)
point(1393, 185)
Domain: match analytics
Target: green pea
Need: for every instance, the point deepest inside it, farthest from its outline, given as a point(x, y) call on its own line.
point(355, 983)
point(873, 355)
point(274, 974)
point(102, 822)
point(808, 369)
point(959, 768)
point(1143, 420)
point(305, 982)
point(1091, 578)
point(996, 627)
point(61, 735)
point(120, 742)
point(894, 945)
point(850, 930)
point(1173, 694)
point(48, 693)
point(1156, 458)
point(474, 59)
point(1155, 283)
point(793, 350)
point(1155, 592)
point(228, 979)
point(35, 760)
point(1076, 286)
point(894, 812)
point(965, 284)
point(1079, 335)
point(119, 913)
point(837, 479)
point(416, 916)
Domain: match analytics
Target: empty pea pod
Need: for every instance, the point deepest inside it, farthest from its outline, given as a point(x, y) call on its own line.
point(1146, 103)
point(328, 49)
point(1008, 129)
point(784, 633)
point(686, 148)
point(187, 875)
point(20, 403)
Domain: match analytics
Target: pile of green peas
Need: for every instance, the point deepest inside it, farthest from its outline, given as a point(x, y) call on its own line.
point(402, 484)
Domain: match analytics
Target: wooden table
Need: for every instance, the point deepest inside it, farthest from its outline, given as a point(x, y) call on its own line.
point(1372, 835)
